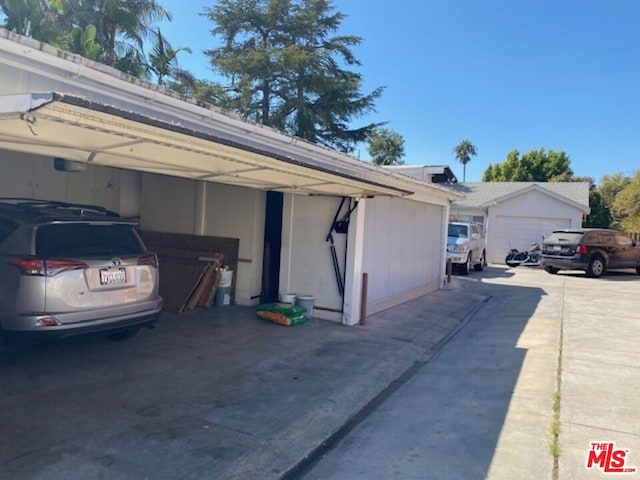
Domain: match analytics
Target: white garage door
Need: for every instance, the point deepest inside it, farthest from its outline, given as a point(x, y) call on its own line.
point(519, 232)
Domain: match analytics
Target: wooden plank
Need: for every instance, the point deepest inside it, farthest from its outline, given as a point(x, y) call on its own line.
point(202, 288)
point(193, 256)
point(210, 283)
point(193, 288)
point(207, 301)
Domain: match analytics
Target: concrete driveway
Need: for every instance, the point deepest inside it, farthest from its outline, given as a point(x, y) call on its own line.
point(223, 394)
point(596, 323)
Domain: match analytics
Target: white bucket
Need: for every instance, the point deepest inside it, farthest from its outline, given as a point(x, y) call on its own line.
point(287, 298)
point(226, 278)
point(307, 302)
point(223, 296)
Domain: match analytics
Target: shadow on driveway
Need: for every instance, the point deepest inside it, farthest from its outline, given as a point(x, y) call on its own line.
point(622, 275)
point(222, 394)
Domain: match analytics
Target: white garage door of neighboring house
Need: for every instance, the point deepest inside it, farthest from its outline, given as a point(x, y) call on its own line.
point(519, 232)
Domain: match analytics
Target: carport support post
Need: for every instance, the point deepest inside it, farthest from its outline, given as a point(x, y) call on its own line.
point(354, 266)
point(446, 263)
point(200, 208)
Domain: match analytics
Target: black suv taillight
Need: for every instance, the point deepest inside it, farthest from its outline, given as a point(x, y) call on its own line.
point(581, 249)
point(44, 267)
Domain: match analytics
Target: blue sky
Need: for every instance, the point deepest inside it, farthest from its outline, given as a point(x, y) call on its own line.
point(505, 74)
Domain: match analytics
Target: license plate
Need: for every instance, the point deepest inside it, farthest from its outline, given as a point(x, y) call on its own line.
point(557, 247)
point(113, 276)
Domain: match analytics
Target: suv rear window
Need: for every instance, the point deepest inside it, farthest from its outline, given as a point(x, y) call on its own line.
point(564, 237)
point(83, 239)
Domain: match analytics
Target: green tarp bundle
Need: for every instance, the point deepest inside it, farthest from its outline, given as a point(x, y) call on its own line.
point(282, 313)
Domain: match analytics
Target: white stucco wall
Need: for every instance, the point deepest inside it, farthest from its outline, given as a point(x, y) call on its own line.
point(33, 176)
point(306, 266)
point(178, 205)
point(238, 212)
point(168, 204)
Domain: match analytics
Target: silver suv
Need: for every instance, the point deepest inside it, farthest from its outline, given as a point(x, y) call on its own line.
point(69, 269)
point(466, 246)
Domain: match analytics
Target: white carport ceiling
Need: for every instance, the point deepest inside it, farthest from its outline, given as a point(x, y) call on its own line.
point(77, 129)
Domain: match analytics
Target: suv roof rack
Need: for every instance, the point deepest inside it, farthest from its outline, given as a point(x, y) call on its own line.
point(35, 205)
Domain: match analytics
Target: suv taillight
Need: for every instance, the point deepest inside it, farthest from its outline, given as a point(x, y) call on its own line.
point(44, 267)
point(149, 259)
point(581, 249)
point(28, 266)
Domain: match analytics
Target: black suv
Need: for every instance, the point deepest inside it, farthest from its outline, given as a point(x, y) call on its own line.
point(591, 250)
point(67, 269)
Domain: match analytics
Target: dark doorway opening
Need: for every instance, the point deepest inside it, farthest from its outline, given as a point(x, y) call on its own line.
point(272, 247)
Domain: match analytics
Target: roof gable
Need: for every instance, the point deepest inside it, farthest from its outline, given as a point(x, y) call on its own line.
point(484, 194)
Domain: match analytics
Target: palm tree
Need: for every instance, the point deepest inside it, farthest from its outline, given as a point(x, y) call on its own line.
point(32, 18)
point(21, 16)
point(131, 20)
point(163, 59)
point(463, 153)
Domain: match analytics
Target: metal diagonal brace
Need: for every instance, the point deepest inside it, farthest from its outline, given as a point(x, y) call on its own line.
point(339, 226)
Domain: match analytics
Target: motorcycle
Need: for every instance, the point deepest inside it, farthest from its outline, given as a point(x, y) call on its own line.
point(528, 258)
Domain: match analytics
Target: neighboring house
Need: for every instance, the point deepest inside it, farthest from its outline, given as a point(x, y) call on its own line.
point(516, 214)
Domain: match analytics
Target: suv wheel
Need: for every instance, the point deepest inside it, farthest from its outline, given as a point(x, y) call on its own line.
point(596, 267)
point(638, 270)
point(551, 270)
point(480, 265)
point(464, 268)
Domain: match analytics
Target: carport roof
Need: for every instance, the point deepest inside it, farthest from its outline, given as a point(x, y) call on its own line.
point(78, 129)
point(104, 117)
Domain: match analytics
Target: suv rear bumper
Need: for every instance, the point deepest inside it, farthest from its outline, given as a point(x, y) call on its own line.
point(576, 262)
point(146, 318)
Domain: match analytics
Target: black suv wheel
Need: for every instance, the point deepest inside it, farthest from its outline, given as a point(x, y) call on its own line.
point(596, 267)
